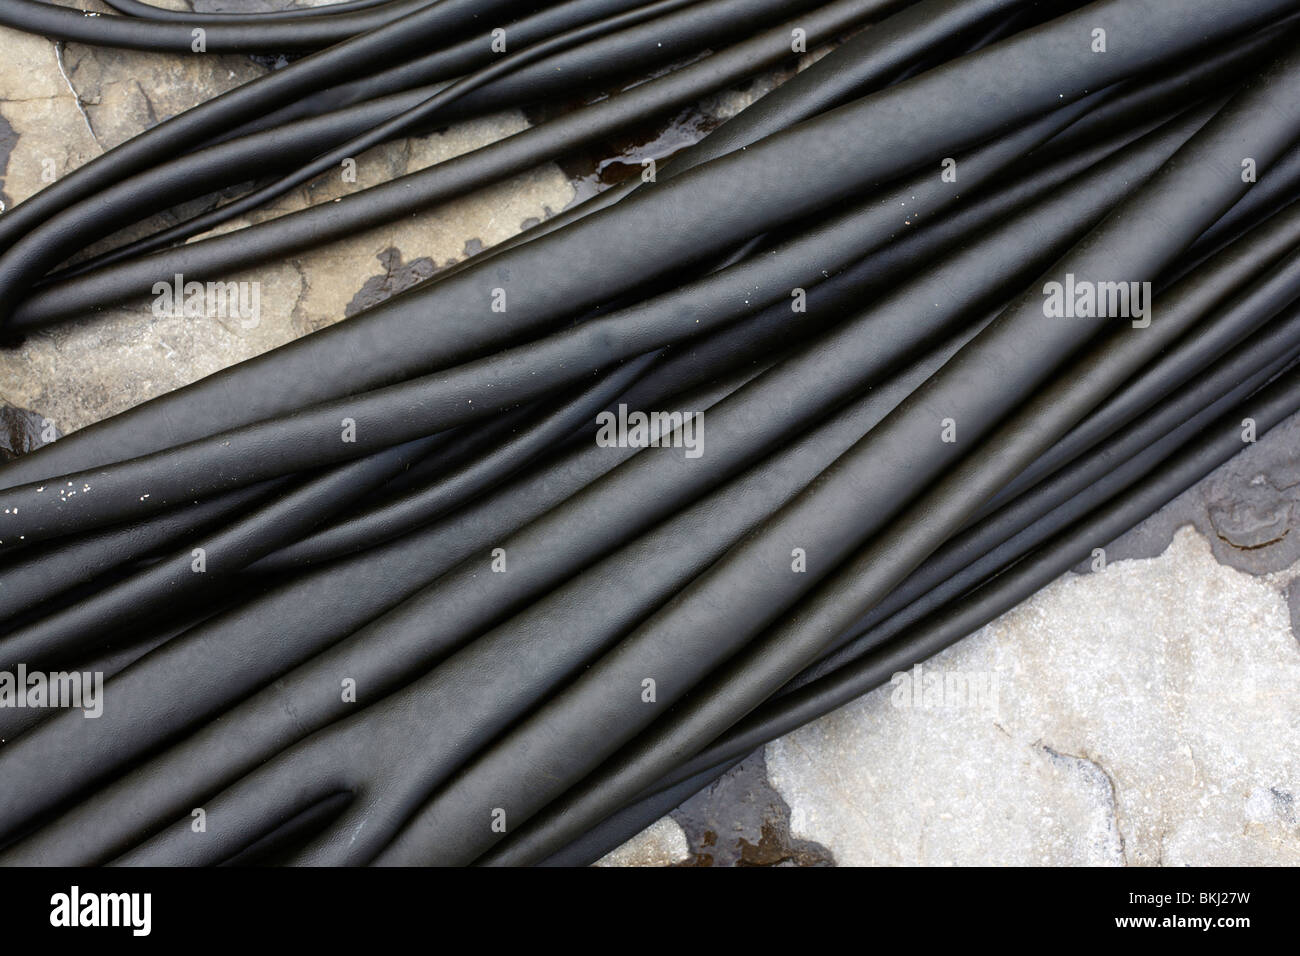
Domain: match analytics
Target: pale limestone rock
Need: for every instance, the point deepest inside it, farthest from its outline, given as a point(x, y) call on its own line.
point(661, 844)
point(77, 373)
point(1145, 715)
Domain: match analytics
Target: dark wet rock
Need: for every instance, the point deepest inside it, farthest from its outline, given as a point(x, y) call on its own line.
point(396, 277)
point(8, 139)
point(20, 431)
point(739, 820)
point(1249, 509)
point(1293, 605)
point(1252, 517)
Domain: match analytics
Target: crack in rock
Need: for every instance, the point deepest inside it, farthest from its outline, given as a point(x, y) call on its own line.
point(76, 96)
point(1093, 767)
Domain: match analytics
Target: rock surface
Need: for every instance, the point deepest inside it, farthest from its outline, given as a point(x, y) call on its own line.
point(67, 104)
point(1145, 715)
